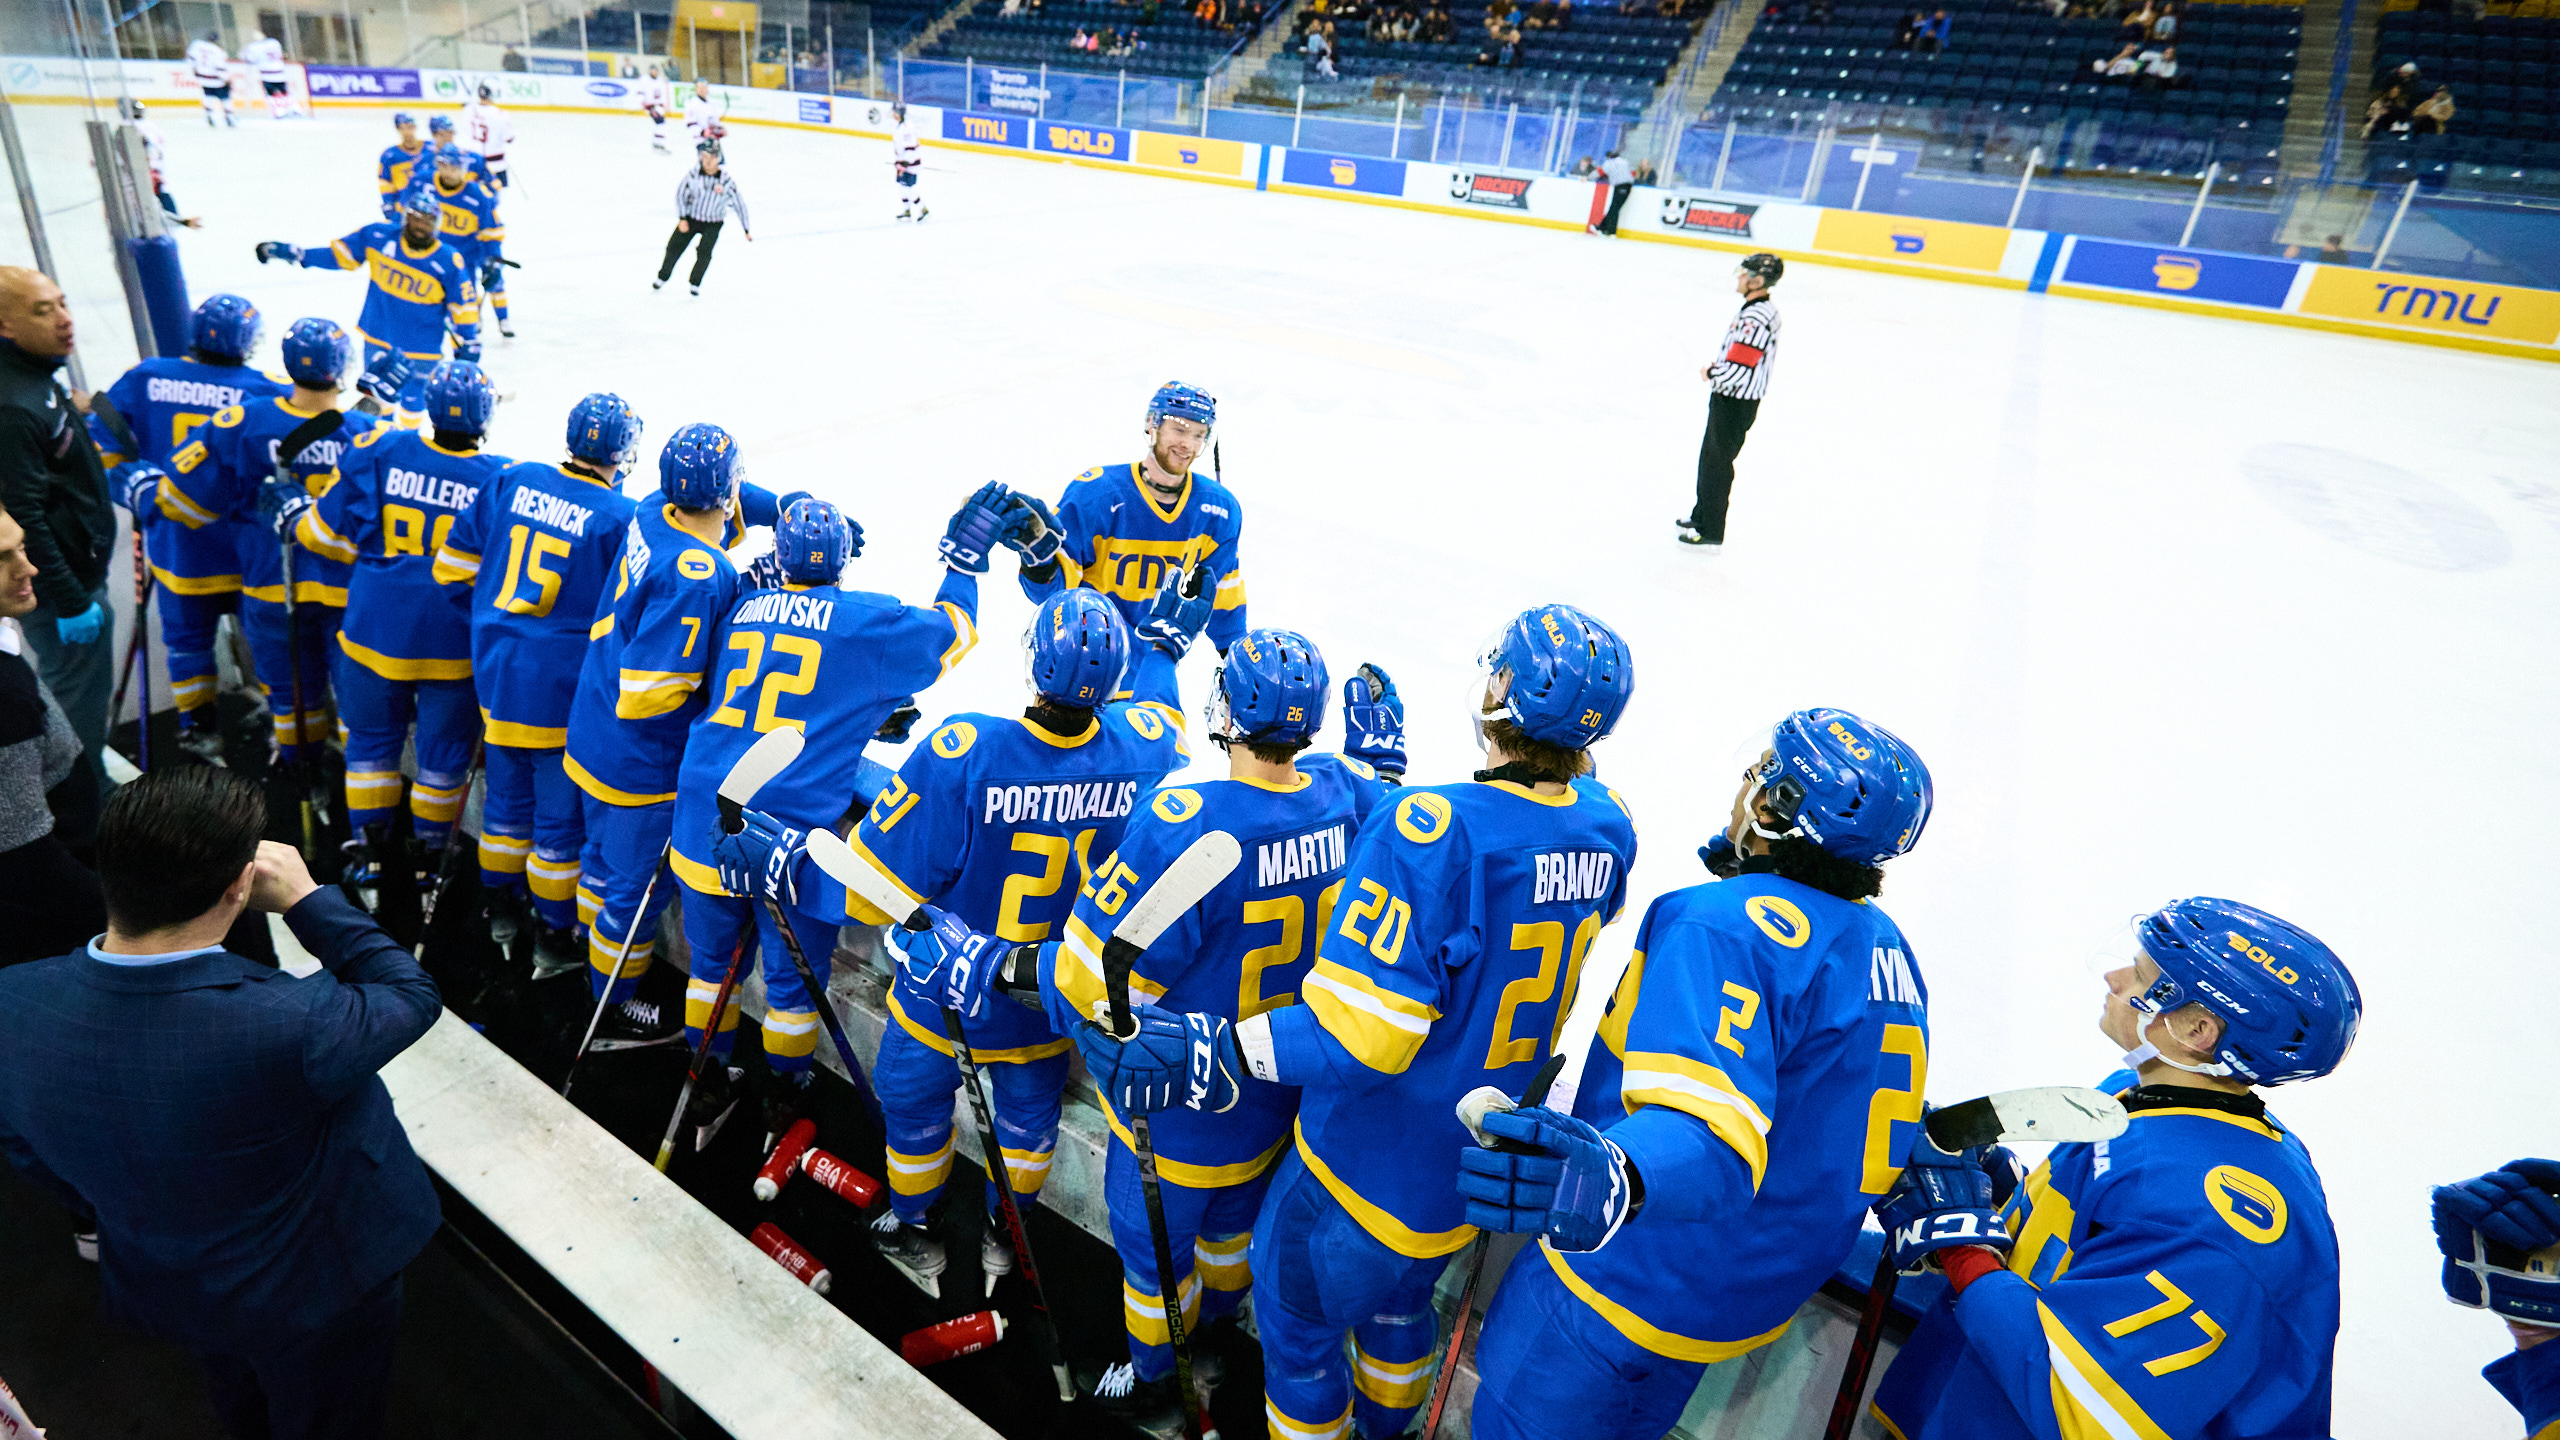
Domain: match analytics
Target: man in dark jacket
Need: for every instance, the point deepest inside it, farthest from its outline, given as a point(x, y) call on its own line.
point(256, 1199)
point(49, 901)
point(52, 480)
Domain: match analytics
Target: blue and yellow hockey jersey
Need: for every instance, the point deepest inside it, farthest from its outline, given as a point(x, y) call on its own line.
point(400, 168)
point(2178, 1280)
point(1115, 538)
point(470, 224)
point(1450, 963)
point(415, 294)
point(536, 548)
point(1243, 950)
point(1762, 1063)
point(834, 663)
point(999, 822)
point(398, 496)
point(217, 474)
point(2530, 1381)
point(166, 400)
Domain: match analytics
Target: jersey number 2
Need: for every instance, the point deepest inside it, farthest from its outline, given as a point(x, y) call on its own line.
point(776, 685)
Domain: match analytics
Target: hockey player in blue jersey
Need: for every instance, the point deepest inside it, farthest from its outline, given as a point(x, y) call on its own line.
point(397, 173)
point(535, 552)
point(1756, 1080)
point(996, 819)
point(2500, 1234)
point(420, 287)
point(406, 651)
point(471, 225)
point(229, 469)
point(2180, 1279)
point(1135, 532)
point(195, 562)
point(835, 663)
point(441, 132)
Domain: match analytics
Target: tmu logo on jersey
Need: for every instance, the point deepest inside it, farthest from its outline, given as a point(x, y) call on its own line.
point(1567, 875)
point(1059, 804)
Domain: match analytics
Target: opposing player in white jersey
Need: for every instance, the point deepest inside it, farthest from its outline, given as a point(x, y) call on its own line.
point(212, 69)
point(702, 112)
point(652, 91)
point(906, 157)
point(265, 54)
point(487, 131)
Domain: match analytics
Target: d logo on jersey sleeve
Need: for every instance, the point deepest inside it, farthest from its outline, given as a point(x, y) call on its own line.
point(953, 740)
point(2254, 1207)
point(1422, 819)
point(1779, 919)
point(1176, 806)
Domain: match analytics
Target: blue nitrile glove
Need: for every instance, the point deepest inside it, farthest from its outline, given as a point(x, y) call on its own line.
point(1942, 1200)
point(1373, 721)
point(2488, 1227)
point(763, 859)
point(1564, 1179)
point(82, 628)
point(1033, 531)
point(976, 528)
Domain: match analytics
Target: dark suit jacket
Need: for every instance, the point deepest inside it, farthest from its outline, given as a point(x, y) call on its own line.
point(225, 1123)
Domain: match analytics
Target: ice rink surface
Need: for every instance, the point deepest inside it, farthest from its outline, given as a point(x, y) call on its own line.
point(2170, 605)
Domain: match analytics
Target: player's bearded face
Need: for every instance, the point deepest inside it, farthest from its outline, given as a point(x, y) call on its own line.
point(417, 229)
point(1177, 445)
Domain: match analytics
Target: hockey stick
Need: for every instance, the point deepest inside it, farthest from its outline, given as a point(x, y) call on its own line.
point(446, 868)
point(1471, 1112)
point(2051, 1112)
point(295, 442)
point(621, 957)
point(140, 644)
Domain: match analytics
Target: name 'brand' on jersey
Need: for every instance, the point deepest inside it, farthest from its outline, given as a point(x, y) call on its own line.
point(1059, 804)
point(1573, 875)
point(547, 509)
point(195, 393)
point(1318, 852)
point(782, 607)
point(402, 484)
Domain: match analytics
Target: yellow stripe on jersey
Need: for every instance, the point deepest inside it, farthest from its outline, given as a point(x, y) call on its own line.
point(1196, 1177)
point(936, 1040)
point(2088, 1404)
point(1142, 1311)
point(317, 537)
point(647, 694)
point(181, 507)
point(1382, 1029)
point(1676, 1082)
point(604, 792)
point(602, 627)
point(964, 634)
point(1387, 1229)
point(392, 667)
point(195, 584)
point(455, 566)
point(695, 875)
point(1230, 591)
point(522, 737)
point(1652, 1337)
point(1886, 1421)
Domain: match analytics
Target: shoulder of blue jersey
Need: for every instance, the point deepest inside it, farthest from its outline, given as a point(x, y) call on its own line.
point(2248, 1186)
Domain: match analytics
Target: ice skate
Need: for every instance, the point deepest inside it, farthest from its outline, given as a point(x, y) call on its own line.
point(636, 1024)
point(557, 951)
point(917, 1255)
point(1145, 1406)
point(995, 1251)
point(715, 1098)
point(201, 738)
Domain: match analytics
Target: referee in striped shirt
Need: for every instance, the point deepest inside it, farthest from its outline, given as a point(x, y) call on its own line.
point(1740, 376)
point(704, 197)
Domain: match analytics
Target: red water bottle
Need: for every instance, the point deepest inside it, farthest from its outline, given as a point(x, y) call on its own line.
point(952, 1338)
point(857, 1188)
point(778, 1165)
point(787, 1253)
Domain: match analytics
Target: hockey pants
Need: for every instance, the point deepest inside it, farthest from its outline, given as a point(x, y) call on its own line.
point(532, 825)
point(1552, 1369)
point(378, 713)
point(626, 846)
point(1320, 1273)
point(714, 927)
point(708, 231)
point(1209, 1229)
point(918, 1080)
point(278, 656)
point(189, 628)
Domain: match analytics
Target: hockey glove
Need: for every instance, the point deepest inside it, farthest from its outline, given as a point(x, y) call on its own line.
point(974, 530)
point(280, 504)
point(949, 963)
point(492, 271)
point(1373, 721)
point(467, 350)
point(763, 859)
point(384, 379)
point(2492, 1229)
point(1555, 1175)
point(136, 486)
point(1173, 620)
point(893, 731)
point(1721, 859)
point(1172, 1060)
point(82, 628)
point(762, 573)
point(1941, 1201)
point(279, 250)
point(1033, 531)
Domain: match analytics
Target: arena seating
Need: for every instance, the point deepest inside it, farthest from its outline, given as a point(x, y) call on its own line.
point(2022, 71)
point(2504, 72)
point(1610, 63)
point(1176, 45)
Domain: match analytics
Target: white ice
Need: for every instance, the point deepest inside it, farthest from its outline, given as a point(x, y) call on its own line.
point(2170, 605)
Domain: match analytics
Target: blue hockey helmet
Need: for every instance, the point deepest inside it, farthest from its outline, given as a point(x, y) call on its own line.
point(402, 119)
point(316, 352)
point(1271, 689)
point(459, 398)
point(1182, 402)
point(698, 469)
point(422, 201)
point(1851, 787)
point(811, 542)
point(1076, 647)
point(439, 124)
point(226, 328)
point(604, 430)
point(451, 154)
point(1558, 674)
point(2288, 1007)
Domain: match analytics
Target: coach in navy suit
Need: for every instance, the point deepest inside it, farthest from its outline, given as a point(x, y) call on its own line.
point(256, 1198)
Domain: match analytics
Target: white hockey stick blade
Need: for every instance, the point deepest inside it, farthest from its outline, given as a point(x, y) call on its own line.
point(772, 754)
point(829, 853)
point(1193, 874)
point(2045, 1112)
point(1600, 976)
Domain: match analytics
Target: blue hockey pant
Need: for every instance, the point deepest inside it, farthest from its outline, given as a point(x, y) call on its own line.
point(532, 824)
point(1209, 1228)
point(378, 713)
point(188, 624)
point(1319, 1273)
point(1552, 1369)
point(714, 927)
point(278, 656)
point(918, 1079)
point(626, 848)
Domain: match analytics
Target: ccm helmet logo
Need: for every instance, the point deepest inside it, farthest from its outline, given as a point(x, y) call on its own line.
point(2265, 961)
point(1841, 733)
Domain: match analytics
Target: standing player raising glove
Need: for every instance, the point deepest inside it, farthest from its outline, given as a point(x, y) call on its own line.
point(1373, 722)
point(975, 529)
point(1177, 613)
point(1034, 534)
point(2500, 1234)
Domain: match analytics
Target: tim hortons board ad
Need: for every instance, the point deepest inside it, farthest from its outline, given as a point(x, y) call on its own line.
point(1511, 192)
point(1707, 217)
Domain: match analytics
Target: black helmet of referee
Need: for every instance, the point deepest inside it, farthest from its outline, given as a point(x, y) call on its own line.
point(1765, 265)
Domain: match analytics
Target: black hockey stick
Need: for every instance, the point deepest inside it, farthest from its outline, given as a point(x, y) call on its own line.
point(621, 958)
point(2053, 1112)
point(1540, 1081)
point(446, 868)
point(306, 781)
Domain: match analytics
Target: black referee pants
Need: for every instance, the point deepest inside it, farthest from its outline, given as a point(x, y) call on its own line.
point(709, 230)
point(1728, 424)
point(1617, 201)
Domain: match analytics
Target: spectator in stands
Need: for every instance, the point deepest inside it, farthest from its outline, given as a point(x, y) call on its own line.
point(2435, 117)
point(2164, 26)
point(2160, 70)
point(1583, 169)
point(1320, 49)
point(49, 900)
point(2333, 251)
point(2406, 77)
point(1439, 27)
point(1906, 36)
point(511, 60)
point(1542, 15)
point(2389, 112)
point(2123, 66)
point(1933, 36)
